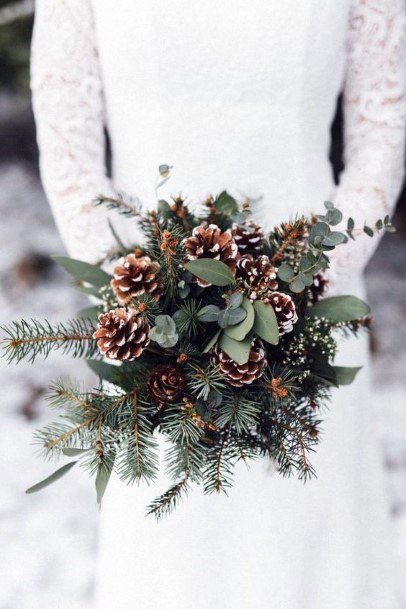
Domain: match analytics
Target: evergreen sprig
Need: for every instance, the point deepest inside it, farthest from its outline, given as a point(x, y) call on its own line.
point(38, 338)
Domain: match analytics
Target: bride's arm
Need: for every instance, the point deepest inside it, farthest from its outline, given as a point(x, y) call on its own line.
point(374, 117)
point(69, 111)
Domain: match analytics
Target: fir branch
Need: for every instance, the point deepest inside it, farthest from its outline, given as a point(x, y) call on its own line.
point(31, 339)
point(238, 411)
point(121, 205)
point(164, 504)
point(203, 380)
point(137, 458)
point(219, 470)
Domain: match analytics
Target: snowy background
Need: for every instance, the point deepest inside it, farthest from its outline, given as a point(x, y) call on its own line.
point(48, 541)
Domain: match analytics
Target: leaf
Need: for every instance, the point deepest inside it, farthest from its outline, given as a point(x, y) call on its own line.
point(350, 224)
point(297, 285)
point(212, 342)
point(345, 374)
point(101, 482)
point(334, 217)
point(105, 371)
point(163, 206)
point(89, 290)
point(82, 271)
point(165, 170)
point(212, 271)
point(328, 205)
point(368, 231)
point(340, 308)
point(165, 324)
point(322, 369)
point(90, 312)
point(74, 452)
point(226, 204)
point(285, 272)
point(164, 340)
point(334, 238)
point(240, 331)
point(51, 479)
point(235, 300)
point(307, 278)
point(209, 313)
point(266, 324)
point(231, 317)
point(238, 350)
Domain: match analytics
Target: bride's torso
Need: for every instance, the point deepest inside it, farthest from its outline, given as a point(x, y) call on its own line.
point(236, 94)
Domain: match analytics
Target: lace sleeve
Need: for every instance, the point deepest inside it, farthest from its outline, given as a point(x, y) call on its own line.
point(68, 107)
point(374, 115)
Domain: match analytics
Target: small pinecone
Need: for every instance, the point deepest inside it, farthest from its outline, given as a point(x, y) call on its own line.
point(136, 275)
point(258, 275)
point(245, 374)
point(122, 335)
point(248, 236)
point(318, 287)
point(211, 242)
point(166, 384)
point(285, 310)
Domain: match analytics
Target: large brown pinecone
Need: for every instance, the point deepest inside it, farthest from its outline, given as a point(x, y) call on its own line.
point(134, 276)
point(239, 375)
point(285, 310)
point(122, 335)
point(211, 242)
point(248, 236)
point(258, 275)
point(166, 384)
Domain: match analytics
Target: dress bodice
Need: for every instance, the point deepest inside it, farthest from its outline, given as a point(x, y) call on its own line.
point(234, 94)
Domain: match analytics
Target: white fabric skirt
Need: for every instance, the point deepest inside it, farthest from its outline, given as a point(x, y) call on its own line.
point(273, 543)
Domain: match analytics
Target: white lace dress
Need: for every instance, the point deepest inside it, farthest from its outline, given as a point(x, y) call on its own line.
point(240, 95)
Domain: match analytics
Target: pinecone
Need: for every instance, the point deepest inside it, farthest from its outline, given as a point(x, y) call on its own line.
point(122, 335)
point(248, 236)
point(285, 310)
point(211, 242)
point(166, 384)
point(136, 275)
point(244, 374)
point(258, 275)
point(318, 287)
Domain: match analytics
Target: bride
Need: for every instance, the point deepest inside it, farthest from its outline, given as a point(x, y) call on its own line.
point(235, 94)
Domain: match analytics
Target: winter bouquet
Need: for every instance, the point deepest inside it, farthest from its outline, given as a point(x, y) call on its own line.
point(210, 334)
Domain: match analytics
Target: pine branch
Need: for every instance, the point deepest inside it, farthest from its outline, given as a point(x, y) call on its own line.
point(31, 339)
point(119, 204)
point(164, 504)
point(238, 411)
point(219, 470)
point(138, 460)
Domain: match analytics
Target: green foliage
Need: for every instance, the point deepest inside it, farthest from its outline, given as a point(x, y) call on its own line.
point(164, 332)
point(84, 272)
point(51, 479)
point(265, 324)
point(38, 338)
point(213, 271)
point(339, 308)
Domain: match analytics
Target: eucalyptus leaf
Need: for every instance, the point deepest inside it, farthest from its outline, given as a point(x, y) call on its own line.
point(51, 479)
point(334, 238)
point(340, 308)
point(328, 205)
point(285, 272)
point(368, 231)
point(82, 271)
point(213, 271)
point(226, 204)
point(238, 350)
point(265, 323)
point(240, 331)
point(297, 285)
point(212, 342)
point(90, 312)
point(345, 375)
point(231, 317)
point(334, 217)
point(209, 313)
point(101, 482)
point(235, 300)
point(75, 452)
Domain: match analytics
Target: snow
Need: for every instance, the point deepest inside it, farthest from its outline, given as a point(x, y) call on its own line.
point(49, 540)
